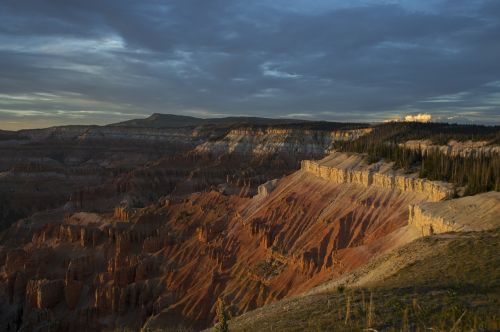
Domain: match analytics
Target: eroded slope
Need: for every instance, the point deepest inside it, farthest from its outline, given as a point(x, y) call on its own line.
point(440, 282)
point(167, 263)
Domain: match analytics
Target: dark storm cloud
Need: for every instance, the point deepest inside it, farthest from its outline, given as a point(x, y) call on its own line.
point(104, 61)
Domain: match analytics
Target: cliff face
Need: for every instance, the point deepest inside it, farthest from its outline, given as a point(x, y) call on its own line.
point(93, 133)
point(454, 148)
point(259, 142)
point(265, 189)
point(428, 224)
point(338, 169)
point(473, 213)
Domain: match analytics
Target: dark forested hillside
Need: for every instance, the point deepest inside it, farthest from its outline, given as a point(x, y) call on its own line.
point(476, 172)
point(313, 125)
point(438, 133)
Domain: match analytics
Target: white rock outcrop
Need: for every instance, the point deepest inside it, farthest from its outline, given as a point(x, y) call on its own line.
point(266, 188)
point(350, 168)
point(471, 213)
point(264, 141)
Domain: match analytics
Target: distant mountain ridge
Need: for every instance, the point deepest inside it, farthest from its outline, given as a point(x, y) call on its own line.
point(158, 120)
point(7, 134)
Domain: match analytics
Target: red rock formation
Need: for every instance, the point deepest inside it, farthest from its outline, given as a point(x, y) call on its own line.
point(123, 213)
point(168, 263)
point(120, 265)
point(43, 294)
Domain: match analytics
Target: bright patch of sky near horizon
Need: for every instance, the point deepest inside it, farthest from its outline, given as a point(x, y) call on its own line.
point(94, 62)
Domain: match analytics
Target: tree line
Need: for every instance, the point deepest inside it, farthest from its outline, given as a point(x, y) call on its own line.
point(475, 172)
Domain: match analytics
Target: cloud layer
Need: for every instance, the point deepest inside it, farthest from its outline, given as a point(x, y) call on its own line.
point(103, 61)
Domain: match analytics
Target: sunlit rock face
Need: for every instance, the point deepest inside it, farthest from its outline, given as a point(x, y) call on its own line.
point(259, 142)
point(454, 148)
point(351, 168)
point(265, 189)
point(473, 213)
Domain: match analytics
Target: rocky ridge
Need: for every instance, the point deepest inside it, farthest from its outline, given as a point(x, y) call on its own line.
point(455, 148)
point(342, 168)
point(455, 215)
point(265, 141)
point(93, 133)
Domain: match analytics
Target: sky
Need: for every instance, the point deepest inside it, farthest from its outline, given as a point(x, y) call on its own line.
point(104, 61)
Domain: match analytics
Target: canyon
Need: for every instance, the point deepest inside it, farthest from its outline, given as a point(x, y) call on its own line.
point(117, 211)
point(90, 161)
point(146, 227)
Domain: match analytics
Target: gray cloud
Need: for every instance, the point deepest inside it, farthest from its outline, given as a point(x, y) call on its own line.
point(99, 62)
